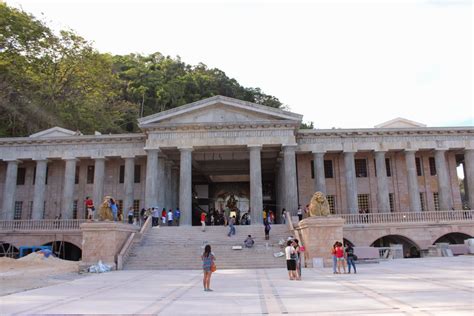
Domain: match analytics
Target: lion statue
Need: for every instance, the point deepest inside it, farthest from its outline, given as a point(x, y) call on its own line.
point(319, 206)
point(105, 212)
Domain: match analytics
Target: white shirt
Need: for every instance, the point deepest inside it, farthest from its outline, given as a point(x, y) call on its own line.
point(300, 211)
point(170, 216)
point(288, 251)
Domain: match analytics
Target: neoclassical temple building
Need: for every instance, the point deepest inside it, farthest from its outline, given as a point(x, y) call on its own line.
point(203, 154)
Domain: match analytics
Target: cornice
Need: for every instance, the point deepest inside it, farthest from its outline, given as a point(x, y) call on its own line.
point(274, 124)
point(68, 140)
point(370, 132)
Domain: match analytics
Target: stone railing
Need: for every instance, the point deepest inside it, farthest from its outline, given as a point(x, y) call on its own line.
point(127, 247)
point(409, 217)
point(41, 225)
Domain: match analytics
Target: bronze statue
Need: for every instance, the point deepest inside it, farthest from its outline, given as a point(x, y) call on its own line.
point(105, 212)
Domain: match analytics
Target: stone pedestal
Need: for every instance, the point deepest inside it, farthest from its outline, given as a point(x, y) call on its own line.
point(319, 234)
point(103, 241)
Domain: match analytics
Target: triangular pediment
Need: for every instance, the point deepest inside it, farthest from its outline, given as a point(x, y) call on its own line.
point(218, 110)
point(54, 132)
point(400, 122)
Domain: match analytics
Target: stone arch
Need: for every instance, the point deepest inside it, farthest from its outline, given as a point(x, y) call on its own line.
point(8, 250)
point(410, 248)
point(65, 250)
point(452, 238)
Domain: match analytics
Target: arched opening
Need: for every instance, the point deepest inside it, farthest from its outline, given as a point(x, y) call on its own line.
point(453, 238)
point(347, 242)
point(65, 250)
point(409, 248)
point(8, 250)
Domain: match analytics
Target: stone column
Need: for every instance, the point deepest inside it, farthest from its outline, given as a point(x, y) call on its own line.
point(444, 184)
point(99, 174)
point(351, 183)
point(161, 182)
point(68, 188)
point(413, 191)
point(40, 188)
point(185, 185)
point(256, 195)
point(319, 176)
point(291, 186)
point(167, 183)
point(469, 176)
point(174, 187)
point(9, 190)
point(151, 199)
point(128, 183)
point(383, 202)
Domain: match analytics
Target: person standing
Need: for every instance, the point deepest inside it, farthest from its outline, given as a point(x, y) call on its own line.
point(267, 229)
point(163, 216)
point(113, 207)
point(155, 217)
point(231, 226)
point(130, 215)
point(290, 254)
point(350, 257)
point(299, 213)
point(334, 259)
point(296, 245)
point(177, 215)
point(90, 208)
point(203, 221)
point(208, 259)
point(170, 218)
point(283, 216)
point(340, 258)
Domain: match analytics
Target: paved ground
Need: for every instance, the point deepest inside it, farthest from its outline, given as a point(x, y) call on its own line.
point(431, 286)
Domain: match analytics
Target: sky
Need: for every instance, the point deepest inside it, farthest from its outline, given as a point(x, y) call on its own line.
point(342, 64)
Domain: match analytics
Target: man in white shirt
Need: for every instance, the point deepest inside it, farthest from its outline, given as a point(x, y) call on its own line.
point(170, 218)
point(300, 213)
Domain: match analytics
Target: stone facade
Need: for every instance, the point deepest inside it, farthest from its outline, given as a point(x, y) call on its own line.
point(219, 140)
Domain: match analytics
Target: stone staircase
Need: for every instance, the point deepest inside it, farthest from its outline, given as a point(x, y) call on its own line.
point(181, 248)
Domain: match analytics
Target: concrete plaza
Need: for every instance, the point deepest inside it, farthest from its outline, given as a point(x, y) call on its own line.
point(428, 286)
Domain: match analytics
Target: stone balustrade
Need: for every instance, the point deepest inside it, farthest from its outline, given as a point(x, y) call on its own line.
point(41, 225)
point(408, 217)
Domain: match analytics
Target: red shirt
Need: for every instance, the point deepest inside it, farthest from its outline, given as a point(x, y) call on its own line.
point(203, 217)
point(339, 252)
point(89, 203)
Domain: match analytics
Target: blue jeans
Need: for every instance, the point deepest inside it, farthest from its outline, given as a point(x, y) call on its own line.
point(334, 263)
point(231, 230)
point(350, 262)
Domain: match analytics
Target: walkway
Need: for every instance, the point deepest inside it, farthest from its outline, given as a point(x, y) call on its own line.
point(430, 286)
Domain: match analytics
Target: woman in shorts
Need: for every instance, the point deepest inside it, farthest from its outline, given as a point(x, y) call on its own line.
point(207, 263)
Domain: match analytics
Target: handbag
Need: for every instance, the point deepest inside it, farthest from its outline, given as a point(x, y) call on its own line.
point(354, 257)
point(213, 267)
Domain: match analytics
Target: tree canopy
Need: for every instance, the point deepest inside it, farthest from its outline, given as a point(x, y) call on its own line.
point(49, 79)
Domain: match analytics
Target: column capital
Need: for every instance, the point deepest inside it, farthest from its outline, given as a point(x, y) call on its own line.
point(410, 150)
point(289, 147)
point(151, 150)
point(440, 149)
point(128, 157)
point(40, 159)
point(98, 158)
point(318, 152)
point(186, 149)
point(70, 159)
point(254, 147)
point(16, 161)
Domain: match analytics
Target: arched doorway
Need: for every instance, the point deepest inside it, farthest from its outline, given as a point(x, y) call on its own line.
point(410, 248)
point(8, 250)
point(66, 250)
point(453, 238)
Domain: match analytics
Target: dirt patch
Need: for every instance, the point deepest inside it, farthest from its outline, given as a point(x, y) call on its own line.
point(34, 271)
